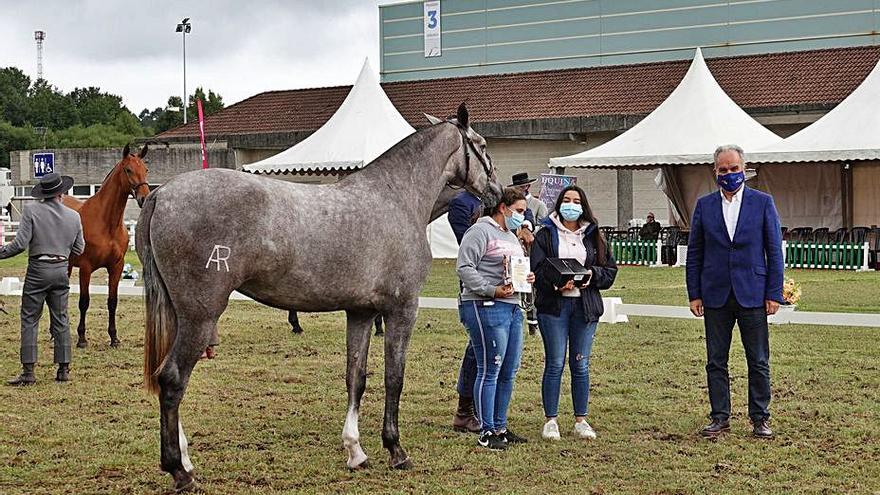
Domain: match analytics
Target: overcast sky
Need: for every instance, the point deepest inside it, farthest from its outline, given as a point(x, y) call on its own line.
point(237, 47)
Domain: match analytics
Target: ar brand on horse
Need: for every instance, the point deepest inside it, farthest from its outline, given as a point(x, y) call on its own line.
point(106, 237)
point(285, 241)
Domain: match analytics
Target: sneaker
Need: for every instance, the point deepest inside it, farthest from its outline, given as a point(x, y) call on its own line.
point(584, 430)
point(551, 430)
point(491, 441)
point(511, 437)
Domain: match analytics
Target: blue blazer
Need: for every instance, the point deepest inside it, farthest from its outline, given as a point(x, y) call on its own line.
point(750, 266)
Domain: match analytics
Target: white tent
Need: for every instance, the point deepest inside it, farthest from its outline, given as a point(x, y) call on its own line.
point(848, 132)
point(832, 167)
point(364, 127)
point(685, 129)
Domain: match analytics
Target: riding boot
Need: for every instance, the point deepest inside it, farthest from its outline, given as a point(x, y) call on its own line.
point(25, 378)
point(63, 374)
point(465, 419)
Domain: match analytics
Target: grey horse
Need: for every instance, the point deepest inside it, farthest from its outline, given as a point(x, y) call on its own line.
point(441, 206)
point(358, 245)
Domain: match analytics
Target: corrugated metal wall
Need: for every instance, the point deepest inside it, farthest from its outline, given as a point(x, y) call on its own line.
point(502, 36)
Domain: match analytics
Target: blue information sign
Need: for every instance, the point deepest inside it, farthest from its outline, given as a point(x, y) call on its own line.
point(44, 163)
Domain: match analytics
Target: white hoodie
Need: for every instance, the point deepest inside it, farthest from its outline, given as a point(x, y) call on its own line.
point(571, 245)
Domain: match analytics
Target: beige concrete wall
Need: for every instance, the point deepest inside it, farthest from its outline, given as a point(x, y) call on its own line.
point(511, 156)
point(646, 197)
point(532, 155)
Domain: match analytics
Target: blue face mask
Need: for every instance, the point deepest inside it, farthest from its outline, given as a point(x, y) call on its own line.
point(515, 220)
point(731, 182)
point(570, 211)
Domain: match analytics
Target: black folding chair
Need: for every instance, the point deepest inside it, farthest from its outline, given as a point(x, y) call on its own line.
point(821, 235)
point(839, 236)
point(858, 234)
point(800, 234)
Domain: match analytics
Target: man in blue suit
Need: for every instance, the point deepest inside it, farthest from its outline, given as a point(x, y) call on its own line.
point(734, 275)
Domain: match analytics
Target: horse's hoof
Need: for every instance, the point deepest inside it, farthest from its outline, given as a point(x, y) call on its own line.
point(82, 344)
point(403, 465)
point(115, 343)
point(361, 466)
point(187, 484)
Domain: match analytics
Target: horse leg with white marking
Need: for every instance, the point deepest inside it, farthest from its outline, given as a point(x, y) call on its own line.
point(398, 329)
point(357, 343)
point(173, 379)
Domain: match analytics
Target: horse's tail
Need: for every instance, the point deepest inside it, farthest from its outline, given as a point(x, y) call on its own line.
point(161, 327)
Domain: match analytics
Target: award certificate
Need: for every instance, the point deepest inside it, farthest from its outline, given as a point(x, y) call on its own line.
point(519, 271)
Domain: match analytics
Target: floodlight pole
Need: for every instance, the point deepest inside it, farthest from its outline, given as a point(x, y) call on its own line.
point(183, 28)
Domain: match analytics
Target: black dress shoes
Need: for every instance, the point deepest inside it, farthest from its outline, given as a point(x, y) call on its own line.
point(761, 429)
point(715, 428)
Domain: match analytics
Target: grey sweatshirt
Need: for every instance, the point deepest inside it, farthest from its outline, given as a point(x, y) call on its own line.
point(481, 260)
point(47, 227)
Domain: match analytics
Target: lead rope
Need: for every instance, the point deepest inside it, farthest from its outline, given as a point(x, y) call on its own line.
point(527, 299)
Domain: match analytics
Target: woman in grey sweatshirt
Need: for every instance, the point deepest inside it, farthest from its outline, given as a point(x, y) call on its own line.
point(489, 310)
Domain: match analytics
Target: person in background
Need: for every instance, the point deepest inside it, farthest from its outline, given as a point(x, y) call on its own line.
point(568, 315)
point(489, 309)
point(50, 232)
point(536, 209)
point(464, 209)
point(651, 230)
point(734, 275)
point(535, 215)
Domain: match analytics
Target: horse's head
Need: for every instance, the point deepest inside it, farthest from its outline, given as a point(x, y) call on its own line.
point(472, 167)
point(135, 173)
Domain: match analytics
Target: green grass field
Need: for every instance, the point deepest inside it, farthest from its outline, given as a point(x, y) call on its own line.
point(265, 417)
point(823, 290)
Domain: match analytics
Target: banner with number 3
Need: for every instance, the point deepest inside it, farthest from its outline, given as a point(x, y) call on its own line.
point(432, 28)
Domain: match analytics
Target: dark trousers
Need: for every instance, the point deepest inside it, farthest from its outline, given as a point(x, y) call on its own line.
point(755, 338)
point(45, 282)
point(467, 374)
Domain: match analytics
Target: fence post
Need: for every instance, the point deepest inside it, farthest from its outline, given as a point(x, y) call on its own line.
point(784, 253)
point(866, 249)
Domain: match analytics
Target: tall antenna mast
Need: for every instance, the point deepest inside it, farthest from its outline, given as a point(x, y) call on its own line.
point(39, 36)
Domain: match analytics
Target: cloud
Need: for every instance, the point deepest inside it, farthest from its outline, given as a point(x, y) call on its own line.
point(235, 48)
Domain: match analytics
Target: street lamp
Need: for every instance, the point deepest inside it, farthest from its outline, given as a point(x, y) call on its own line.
point(183, 28)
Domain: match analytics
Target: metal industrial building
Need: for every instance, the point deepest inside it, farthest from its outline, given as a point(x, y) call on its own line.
point(547, 78)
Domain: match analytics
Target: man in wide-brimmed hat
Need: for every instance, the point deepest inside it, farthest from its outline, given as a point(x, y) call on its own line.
point(50, 232)
point(538, 209)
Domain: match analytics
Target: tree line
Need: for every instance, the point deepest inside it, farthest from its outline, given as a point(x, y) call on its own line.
point(36, 114)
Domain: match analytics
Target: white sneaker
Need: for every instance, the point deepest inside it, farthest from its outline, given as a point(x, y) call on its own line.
point(584, 430)
point(551, 430)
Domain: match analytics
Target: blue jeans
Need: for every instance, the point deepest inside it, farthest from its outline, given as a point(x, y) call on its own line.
point(568, 330)
point(495, 333)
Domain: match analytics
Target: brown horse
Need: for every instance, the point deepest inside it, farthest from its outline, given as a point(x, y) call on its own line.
point(105, 233)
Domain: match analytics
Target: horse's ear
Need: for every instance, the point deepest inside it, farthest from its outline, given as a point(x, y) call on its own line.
point(126, 151)
point(432, 119)
point(143, 152)
point(462, 116)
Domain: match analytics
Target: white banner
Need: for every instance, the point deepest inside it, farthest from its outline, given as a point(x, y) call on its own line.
point(432, 28)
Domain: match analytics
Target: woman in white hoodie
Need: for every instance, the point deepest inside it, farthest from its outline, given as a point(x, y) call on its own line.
point(568, 315)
